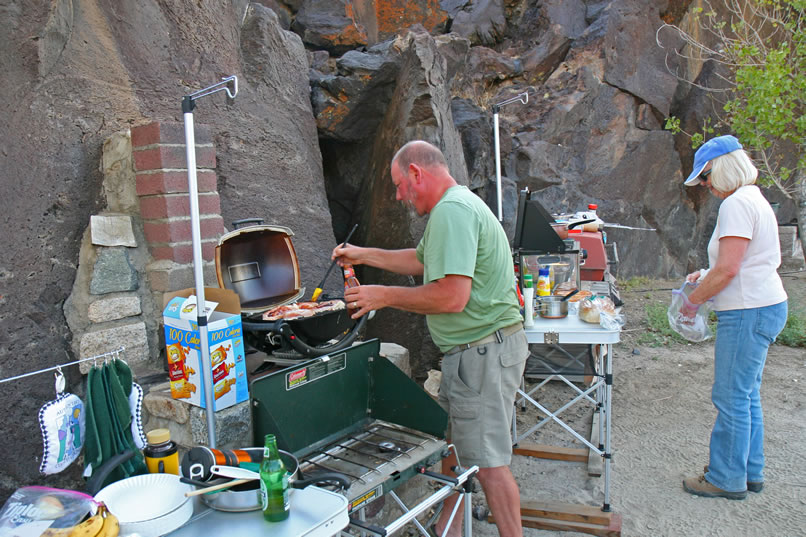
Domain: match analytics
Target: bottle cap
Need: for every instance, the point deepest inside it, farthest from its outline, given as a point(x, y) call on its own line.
point(574, 231)
point(592, 206)
point(158, 436)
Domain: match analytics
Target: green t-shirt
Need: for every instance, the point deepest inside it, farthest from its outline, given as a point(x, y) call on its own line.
point(463, 237)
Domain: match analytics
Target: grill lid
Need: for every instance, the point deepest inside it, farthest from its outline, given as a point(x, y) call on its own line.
point(260, 264)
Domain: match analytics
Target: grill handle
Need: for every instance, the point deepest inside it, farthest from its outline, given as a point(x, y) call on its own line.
point(240, 223)
point(306, 350)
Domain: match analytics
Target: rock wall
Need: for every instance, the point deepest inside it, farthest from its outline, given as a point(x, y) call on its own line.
point(328, 91)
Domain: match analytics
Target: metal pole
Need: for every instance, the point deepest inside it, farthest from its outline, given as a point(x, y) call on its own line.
point(198, 262)
point(523, 98)
point(497, 164)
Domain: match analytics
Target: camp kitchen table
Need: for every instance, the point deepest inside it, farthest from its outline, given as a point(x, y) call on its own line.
point(315, 512)
point(568, 331)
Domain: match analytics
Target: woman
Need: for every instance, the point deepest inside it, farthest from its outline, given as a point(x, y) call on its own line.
point(751, 308)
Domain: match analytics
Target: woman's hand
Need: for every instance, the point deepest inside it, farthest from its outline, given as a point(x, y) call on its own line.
point(693, 277)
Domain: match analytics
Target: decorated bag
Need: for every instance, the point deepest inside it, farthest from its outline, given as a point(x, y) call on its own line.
point(62, 424)
point(136, 406)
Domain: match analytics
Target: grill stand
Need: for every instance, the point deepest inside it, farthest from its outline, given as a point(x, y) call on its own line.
point(461, 484)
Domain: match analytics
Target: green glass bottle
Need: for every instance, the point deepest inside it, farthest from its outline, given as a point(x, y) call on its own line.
point(273, 483)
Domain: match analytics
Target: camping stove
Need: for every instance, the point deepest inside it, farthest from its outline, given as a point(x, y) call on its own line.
point(355, 413)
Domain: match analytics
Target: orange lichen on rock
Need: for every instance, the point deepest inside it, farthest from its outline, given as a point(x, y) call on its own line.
point(395, 15)
point(331, 116)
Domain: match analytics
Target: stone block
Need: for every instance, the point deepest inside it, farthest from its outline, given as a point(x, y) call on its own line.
point(159, 404)
point(131, 336)
point(233, 426)
point(113, 272)
point(398, 355)
point(112, 231)
point(112, 309)
point(165, 276)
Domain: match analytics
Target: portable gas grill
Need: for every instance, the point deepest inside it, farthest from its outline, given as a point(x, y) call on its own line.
point(356, 413)
point(260, 264)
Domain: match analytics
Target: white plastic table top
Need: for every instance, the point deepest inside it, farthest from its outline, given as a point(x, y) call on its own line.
point(571, 329)
point(315, 512)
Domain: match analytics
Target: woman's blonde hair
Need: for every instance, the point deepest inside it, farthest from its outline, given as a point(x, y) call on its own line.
point(732, 170)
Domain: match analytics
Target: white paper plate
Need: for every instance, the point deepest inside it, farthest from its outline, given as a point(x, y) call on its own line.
point(150, 504)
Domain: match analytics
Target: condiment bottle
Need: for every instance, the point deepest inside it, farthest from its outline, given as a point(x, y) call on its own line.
point(350, 281)
point(161, 453)
point(349, 277)
point(543, 282)
point(273, 483)
point(528, 302)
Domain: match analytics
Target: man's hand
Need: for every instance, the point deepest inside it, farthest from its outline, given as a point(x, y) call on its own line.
point(364, 298)
point(693, 277)
point(348, 255)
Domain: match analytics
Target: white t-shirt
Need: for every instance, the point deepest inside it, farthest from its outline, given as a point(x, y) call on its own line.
point(746, 214)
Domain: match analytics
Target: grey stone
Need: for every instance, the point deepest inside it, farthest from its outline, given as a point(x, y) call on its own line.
point(112, 231)
point(398, 355)
point(131, 336)
point(113, 272)
point(120, 184)
point(160, 404)
point(483, 22)
point(112, 309)
point(233, 426)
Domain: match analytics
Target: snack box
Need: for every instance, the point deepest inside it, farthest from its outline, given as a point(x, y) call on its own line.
point(183, 347)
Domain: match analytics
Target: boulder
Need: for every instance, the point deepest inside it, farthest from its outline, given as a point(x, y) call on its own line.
point(481, 21)
point(329, 25)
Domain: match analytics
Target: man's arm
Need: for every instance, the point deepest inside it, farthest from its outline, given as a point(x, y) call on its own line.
point(398, 261)
point(446, 295)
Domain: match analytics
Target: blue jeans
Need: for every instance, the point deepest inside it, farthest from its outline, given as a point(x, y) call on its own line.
point(737, 440)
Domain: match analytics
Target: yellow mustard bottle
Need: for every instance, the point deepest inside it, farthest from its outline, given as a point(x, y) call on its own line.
point(161, 453)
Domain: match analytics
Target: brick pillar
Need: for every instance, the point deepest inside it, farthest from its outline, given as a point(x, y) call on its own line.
point(160, 165)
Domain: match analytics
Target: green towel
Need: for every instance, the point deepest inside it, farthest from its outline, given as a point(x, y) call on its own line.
point(109, 416)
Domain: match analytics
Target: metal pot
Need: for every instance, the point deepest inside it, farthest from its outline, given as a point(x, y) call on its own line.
point(552, 307)
point(246, 496)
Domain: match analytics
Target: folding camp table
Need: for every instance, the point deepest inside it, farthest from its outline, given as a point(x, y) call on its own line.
point(562, 335)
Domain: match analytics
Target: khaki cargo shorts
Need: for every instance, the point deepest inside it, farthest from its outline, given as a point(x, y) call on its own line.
point(478, 391)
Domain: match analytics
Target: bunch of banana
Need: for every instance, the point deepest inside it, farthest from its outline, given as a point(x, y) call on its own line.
point(101, 524)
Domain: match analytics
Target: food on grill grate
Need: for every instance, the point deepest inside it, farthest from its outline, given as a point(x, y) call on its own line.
point(300, 310)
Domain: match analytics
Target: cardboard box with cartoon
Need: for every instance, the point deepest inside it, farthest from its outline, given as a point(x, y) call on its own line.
point(225, 336)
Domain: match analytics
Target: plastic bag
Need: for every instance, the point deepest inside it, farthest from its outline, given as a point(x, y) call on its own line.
point(694, 329)
point(32, 511)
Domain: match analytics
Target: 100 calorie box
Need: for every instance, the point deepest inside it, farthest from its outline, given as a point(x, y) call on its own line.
point(225, 336)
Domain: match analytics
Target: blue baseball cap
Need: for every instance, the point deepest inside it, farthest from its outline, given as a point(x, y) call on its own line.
point(715, 147)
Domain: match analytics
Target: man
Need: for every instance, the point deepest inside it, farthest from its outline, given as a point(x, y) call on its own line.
point(469, 299)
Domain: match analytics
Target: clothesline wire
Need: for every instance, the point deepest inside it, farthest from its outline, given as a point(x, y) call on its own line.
point(116, 353)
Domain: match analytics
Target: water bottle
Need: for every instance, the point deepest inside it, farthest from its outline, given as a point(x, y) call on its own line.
point(528, 302)
point(273, 483)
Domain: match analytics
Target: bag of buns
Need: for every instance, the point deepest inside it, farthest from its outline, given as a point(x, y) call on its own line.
point(591, 309)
